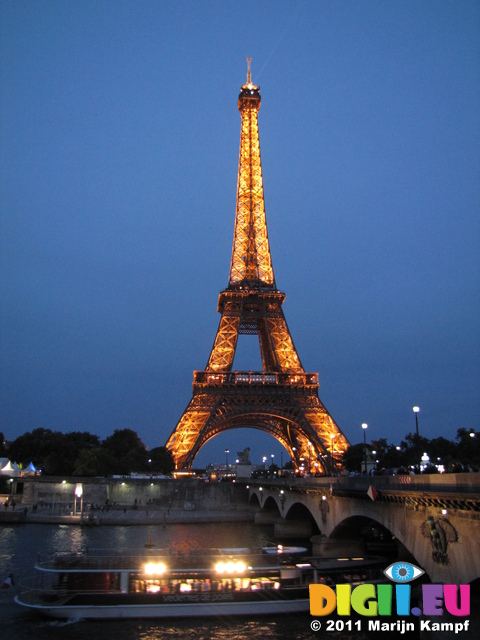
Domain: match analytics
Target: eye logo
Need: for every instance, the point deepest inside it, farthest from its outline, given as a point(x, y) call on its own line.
point(403, 572)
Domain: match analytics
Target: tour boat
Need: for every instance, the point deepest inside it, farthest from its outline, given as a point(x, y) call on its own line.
point(168, 584)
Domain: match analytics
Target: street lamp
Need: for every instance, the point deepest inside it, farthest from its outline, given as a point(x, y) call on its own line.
point(227, 451)
point(78, 494)
point(417, 441)
point(365, 427)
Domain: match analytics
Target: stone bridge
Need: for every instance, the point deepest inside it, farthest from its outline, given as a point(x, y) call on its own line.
point(434, 520)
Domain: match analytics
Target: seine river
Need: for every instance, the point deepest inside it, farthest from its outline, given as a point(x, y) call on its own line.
point(19, 545)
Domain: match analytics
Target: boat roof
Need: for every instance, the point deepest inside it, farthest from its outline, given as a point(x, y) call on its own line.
point(101, 560)
point(194, 560)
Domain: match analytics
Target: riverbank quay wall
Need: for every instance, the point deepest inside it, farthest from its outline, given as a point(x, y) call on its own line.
point(186, 494)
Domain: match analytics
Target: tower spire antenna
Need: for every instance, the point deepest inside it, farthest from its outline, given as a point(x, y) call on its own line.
point(249, 73)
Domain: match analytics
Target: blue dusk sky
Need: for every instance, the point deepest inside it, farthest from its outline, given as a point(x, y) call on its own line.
point(119, 156)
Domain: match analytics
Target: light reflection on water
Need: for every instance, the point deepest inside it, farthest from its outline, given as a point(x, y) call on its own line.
point(282, 628)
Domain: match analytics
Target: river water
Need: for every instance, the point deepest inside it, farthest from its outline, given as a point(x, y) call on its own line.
point(20, 544)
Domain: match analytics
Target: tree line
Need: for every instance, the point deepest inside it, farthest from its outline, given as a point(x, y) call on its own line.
point(84, 454)
point(462, 454)
point(81, 453)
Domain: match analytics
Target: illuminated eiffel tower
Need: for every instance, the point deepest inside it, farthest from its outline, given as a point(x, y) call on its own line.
point(282, 399)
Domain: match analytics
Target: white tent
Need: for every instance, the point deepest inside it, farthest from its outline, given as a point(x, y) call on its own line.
point(12, 470)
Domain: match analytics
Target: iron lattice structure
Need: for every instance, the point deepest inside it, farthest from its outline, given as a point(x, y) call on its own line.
point(282, 399)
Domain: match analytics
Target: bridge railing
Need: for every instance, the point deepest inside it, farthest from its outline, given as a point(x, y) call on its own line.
point(432, 483)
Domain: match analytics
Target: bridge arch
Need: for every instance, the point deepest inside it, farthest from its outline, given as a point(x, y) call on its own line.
point(272, 505)
point(375, 537)
point(254, 500)
point(298, 511)
point(359, 523)
point(381, 535)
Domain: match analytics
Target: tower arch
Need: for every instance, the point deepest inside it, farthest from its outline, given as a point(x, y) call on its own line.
point(288, 432)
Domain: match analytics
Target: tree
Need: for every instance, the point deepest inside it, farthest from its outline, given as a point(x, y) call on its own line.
point(69, 446)
point(53, 452)
point(441, 451)
point(162, 460)
point(42, 446)
point(95, 462)
point(128, 450)
point(3, 451)
point(354, 457)
point(467, 448)
point(412, 449)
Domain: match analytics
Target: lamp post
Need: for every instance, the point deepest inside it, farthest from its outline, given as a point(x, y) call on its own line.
point(227, 451)
point(78, 494)
point(365, 427)
point(417, 441)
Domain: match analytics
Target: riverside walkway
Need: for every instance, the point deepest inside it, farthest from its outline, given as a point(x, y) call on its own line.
point(123, 516)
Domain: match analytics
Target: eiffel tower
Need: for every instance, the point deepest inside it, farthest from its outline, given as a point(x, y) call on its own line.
point(282, 399)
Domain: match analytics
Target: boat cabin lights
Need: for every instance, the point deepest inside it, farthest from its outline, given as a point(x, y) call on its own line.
point(153, 568)
point(230, 567)
point(153, 588)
